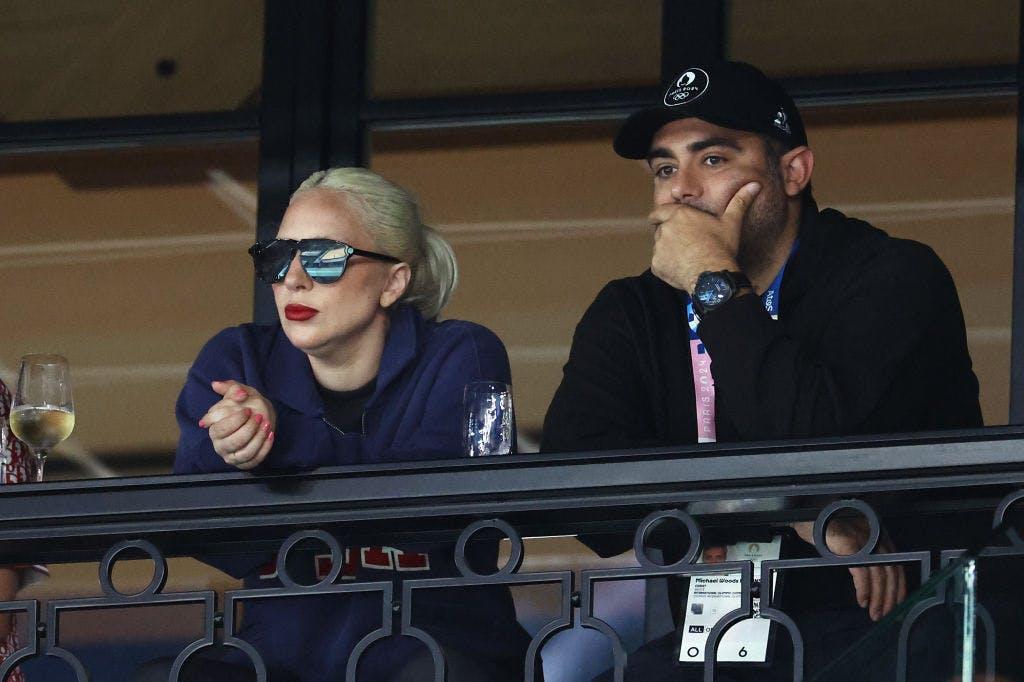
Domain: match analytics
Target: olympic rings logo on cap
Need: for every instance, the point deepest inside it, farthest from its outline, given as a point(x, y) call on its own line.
point(690, 85)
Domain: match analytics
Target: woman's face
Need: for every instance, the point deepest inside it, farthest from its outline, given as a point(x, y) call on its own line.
point(322, 319)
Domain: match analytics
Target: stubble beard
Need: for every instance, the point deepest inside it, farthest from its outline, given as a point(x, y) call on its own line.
point(763, 225)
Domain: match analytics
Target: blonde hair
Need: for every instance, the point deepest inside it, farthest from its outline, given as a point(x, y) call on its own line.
point(392, 217)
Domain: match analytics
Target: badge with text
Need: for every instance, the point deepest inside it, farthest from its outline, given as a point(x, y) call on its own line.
point(712, 595)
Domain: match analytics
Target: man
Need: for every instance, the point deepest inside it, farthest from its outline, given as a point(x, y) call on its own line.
point(815, 324)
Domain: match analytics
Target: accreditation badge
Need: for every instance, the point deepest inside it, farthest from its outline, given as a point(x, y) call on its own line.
point(712, 595)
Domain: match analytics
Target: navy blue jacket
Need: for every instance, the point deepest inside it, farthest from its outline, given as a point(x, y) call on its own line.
point(413, 414)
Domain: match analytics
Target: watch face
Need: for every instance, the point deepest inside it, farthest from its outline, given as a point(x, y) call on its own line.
point(712, 290)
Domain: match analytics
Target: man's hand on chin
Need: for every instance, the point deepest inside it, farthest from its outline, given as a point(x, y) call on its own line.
point(689, 241)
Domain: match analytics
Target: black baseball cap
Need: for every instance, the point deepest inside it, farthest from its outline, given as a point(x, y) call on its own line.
point(730, 94)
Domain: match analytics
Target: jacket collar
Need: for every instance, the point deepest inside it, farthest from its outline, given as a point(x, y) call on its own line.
point(289, 377)
point(406, 335)
point(802, 269)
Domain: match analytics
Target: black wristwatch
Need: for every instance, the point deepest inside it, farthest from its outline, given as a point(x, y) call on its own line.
point(715, 289)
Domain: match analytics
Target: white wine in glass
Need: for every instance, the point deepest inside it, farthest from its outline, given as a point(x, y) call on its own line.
point(43, 411)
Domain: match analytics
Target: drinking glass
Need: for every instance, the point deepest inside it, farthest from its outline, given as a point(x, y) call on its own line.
point(43, 412)
point(488, 419)
point(5, 449)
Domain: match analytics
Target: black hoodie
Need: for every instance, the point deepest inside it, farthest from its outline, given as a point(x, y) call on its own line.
point(870, 339)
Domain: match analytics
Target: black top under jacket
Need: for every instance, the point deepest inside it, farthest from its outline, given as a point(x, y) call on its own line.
point(870, 339)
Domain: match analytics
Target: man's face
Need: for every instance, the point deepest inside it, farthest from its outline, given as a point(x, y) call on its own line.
point(703, 165)
point(716, 554)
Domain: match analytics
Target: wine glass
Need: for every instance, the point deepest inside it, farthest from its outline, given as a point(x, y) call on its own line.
point(488, 419)
point(5, 449)
point(43, 412)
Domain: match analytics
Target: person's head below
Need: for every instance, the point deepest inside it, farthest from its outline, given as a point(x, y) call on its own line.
point(715, 554)
point(718, 127)
point(350, 248)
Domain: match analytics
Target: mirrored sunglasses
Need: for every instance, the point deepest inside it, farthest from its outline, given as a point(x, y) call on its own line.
point(324, 260)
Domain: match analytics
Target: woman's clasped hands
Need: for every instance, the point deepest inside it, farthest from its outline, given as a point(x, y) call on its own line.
point(241, 424)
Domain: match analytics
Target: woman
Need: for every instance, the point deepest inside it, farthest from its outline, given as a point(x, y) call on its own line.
point(17, 470)
point(357, 371)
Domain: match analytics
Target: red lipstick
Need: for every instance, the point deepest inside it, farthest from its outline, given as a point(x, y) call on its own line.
point(299, 313)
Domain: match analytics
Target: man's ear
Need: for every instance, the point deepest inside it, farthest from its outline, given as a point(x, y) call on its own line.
point(797, 165)
point(398, 281)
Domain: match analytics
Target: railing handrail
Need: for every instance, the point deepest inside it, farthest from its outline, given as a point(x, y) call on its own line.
point(55, 518)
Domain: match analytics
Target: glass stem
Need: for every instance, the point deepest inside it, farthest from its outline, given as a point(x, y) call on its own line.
point(40, 464)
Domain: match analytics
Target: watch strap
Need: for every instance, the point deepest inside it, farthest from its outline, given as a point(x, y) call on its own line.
point(736, 281)
point(739, 281)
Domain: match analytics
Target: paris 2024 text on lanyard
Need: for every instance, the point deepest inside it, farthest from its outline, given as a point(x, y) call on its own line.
point(711, 596)
point(703, 382)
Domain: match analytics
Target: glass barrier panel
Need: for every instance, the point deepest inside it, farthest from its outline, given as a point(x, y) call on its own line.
point(126, 262)
point(811, 38)
point(501, 47)
point(108, 59)
point(528, 197)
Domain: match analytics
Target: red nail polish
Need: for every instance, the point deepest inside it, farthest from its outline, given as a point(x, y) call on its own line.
point(248, 412)
point(270, 436)
point(202, 424)
point(257, 418)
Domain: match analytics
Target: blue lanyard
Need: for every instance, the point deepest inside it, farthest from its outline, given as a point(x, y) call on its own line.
point(770, 298)
point(703, 381)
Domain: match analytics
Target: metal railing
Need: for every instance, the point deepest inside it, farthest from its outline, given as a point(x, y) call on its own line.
point(976, 472)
